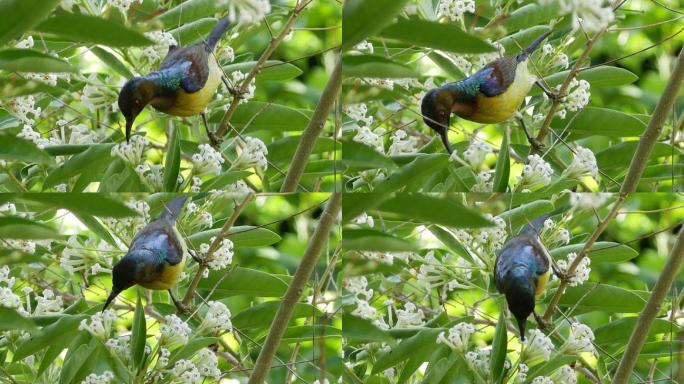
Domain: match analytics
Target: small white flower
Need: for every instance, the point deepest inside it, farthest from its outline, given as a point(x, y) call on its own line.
point(364, 46)
point(564, 375)
point(476, 153)
point(521, 377)
point(218, 317)
point(223, 255)
point(358, 112)
point(370, 138)
point(246, 11)
point(581, 273)
point(237, 79)
point(364, 218)
point(581, 339)
point(410, 316)
point(458, 338)
point(162, 40)
point(584, 162)
point(590, 15)
point(455, 9)
point(253, 154)
point(207, 364)
point(364, 310)
point(94, 378)
point(123, 5)
point(26, 43)
point(48, 304)
point(207, 161)
point(132, 152)
point(186, 372)
point(542, 380)
point(174, 331)
point(479, 360)
point(536, 171)
point(588, 200)
point(578, 95)
point(402, 144)
point(100, 324)
point(538, 347)
point(358, 285)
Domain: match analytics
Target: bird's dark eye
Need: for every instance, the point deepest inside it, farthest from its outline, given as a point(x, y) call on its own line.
point(136, 102)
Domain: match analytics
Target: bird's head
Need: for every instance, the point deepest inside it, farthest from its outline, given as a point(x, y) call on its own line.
point(123, 277)
point(436, 110)
point(134, 96)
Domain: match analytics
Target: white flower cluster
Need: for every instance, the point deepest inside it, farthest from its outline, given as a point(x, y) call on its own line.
point(485, 242)
point(538, 347)
point(246, 11)
point(79, 133)
point(373, 139)
point(581, 339)
point(564, 375)
point(476, 153)
point(207, 161)
point(94, 378)
point(26, 43)
point(590, 15)
point(364, 46)
point(226, 54)
point(253, 154)
point(223, 255)
point(162, 42)
point(358, 286)
point(554, 235)
point(588, 200)
point(583, 163)
point(410, 316)
point(234, 191)
point(237, 78)
point(479, 360)
point(123, 5)
point(132, 152)
point(536, 171)
point(577, 98)
point(95, 94)
point(207, 364)
point(217, 318)
point(186, 372)
point(100, 324)
point(23, 106)
point(7, 297)
point(521, 376)
point(174, 331)
point(558, 59)
point(358, 112)
point(364, 218)
point(542, 380)
point(455, 9)
point(29, 134)
point(458, 338)
point(484, 182)
point(434, 273)
point(47, 78)
point(402, 144)
point(152, 174)
point(121, 345)
point(48, 304)
point(581, 273)
point(388, 84)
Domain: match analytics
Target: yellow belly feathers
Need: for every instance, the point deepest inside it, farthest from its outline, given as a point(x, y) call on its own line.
point(190, 104)
point(171, 273)
point(541, 283)
point(499, 108)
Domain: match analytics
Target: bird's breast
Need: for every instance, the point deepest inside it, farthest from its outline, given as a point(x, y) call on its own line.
point(167, 278)
point(190, 104)
point(501, 107)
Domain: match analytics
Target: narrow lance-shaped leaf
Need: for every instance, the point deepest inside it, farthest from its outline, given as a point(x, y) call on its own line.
point(172, 164)
point(91, 29)
point(365, 18)
point(138, 330)
point(20, 15)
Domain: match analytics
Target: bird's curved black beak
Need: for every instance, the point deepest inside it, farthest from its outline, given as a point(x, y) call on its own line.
point(444, 135)
point(129, 126)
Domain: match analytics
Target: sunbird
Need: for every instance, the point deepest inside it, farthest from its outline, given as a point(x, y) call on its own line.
point(156, 256)
point(184, 84)
point(491, 95)
point(521, 271)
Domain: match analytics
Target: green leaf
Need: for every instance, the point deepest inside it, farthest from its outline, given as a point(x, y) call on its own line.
point(363, 330)
point(13, 148)
point(266, 116)
point(94, 225)
point(97, 156)
point(375, 66)
point(20, 228)
point(420, 344)
point(430, 34)
point(434, 210)
point(15, 86)
point(590, 297)
point(499, 348)
point(593, 121)
point(262, 315)
point(82, 203)
point(658, 349)
point(522, 39)
point(188, 11)
point(365, 18)
point(371, 240)
point(361, 156)
point(172, 163)
point(531, 14)
point(10, 320)
point(414, 172)
point(450, 241)
point(91, 29)
point(193, 346)
point(224, 179)
point(139, 334)
point(307, 332)
point(58, 333)
point(242, 236)
point(619, 330)
point(112, 61)
point(21, 15)
point(75, 361)
point(193, 32)
point(503, 168)
point(601, 252)
point(272, 70)
point(446, 64)
point(244, 281)
point(551, 365)
point(354, 204)
point(620, 155)
point(517, 217)
point(603, 76)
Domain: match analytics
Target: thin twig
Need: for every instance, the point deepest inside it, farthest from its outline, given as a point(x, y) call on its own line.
point(313, 130)
point(294, 291)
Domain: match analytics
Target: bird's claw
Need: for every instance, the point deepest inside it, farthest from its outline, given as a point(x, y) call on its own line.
point(540, 321)
point(214, 139)
point(194, 256)
point(536, 144)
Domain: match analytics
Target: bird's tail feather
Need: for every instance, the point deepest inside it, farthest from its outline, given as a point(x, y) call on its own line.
point(528, 51)
point(172, 208)
point(216, 33)
point(115, 292)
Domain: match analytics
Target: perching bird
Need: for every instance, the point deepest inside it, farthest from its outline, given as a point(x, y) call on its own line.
point(184, 84)
point(522, 270)
point(491, 95)
point(156, 256)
